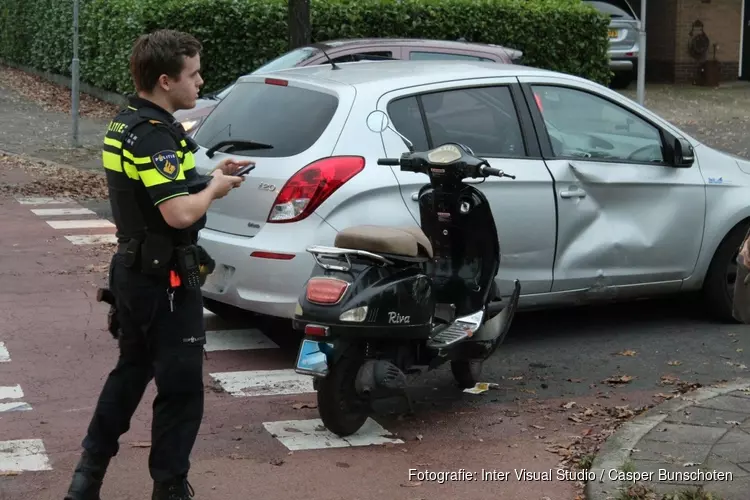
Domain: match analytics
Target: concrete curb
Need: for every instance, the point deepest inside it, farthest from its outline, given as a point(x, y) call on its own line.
point(616, 450)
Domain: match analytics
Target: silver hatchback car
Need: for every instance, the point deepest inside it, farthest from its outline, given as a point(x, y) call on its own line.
point(610, 201)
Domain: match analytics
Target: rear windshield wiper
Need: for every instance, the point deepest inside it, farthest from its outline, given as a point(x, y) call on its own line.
point(244, 144)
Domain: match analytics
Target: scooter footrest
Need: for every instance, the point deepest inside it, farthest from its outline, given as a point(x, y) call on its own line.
point(449, 336)
point(461, 329)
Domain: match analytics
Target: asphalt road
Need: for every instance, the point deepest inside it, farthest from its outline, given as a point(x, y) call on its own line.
point(563, 352)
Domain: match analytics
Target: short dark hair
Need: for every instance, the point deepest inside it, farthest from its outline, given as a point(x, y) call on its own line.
point(160, 52)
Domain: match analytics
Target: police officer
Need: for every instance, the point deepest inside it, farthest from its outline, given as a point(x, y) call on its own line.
point(159, 203)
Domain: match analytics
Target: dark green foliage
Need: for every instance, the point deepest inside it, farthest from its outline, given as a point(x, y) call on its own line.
point(241, 35)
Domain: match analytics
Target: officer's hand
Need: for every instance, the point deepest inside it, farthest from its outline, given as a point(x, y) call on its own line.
point(230, 165)
point(745, 253)
point(222, 184)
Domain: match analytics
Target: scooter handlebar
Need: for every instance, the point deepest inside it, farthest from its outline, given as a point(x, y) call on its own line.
point(486, 170)
point(394, 162)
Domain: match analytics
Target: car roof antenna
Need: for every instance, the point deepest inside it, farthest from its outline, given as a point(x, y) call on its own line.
point(321, 47)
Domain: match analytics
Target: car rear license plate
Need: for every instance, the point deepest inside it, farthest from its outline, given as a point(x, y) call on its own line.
point(312, 359)
point(613, 33)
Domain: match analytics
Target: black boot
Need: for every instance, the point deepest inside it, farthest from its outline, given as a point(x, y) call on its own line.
point(87, 478)
point(177, 489)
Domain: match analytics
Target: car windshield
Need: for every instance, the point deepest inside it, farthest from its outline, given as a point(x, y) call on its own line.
point(288, 60)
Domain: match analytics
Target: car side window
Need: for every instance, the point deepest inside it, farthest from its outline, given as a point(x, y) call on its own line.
point(364, 56)
point(583, 125)
point(406, 119)
point(483, 118)
point(431, 56)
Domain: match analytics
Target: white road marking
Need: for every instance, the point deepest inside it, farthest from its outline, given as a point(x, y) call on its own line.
point(264, 382)
point(11, 392)
point(78, 224)
point(17, 406)
point(312, 435)
point(34, 200)
point(237, 340)
point(4, 354)
point(62, 211)
point(23, 455)
point(91, 239)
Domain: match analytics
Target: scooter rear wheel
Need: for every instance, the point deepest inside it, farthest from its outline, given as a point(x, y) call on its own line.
point(341, 409)
point(467, 372)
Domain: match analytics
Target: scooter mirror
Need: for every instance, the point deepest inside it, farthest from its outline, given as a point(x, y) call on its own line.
point(377, 121)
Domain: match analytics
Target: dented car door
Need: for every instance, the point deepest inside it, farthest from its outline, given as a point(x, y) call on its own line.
point(625, 215)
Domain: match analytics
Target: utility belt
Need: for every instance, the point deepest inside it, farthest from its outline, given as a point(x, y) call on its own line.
point(186, 264)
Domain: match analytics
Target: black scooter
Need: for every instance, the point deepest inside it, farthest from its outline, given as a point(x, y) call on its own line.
point(387, 301)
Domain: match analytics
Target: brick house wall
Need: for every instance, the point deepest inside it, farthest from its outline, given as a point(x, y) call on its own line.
point(668, 26)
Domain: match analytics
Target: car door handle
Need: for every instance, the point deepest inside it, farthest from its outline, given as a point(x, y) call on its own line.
point(415, 196)
point(573, 193)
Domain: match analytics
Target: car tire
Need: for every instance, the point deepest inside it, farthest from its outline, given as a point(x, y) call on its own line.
point(622, 79)
point(718, 285)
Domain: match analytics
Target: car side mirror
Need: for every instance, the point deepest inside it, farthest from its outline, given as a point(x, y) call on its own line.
point(683, 153)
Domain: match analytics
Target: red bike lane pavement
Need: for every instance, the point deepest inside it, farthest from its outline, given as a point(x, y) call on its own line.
point(258, 439)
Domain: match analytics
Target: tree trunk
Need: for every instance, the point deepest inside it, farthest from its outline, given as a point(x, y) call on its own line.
point(299, 23)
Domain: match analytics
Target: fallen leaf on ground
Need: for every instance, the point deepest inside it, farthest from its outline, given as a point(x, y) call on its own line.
point(628, 352)
point(52, 96)
point(276, 461)
point(674, 363)
point(664, 396)
point(668, 379)
point(10, 473)
point(141, 444)
point(50, 179)
point(411, 484)
point(569, 405)
point(622, 379)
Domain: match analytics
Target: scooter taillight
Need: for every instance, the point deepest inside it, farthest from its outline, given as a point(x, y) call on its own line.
point(326, 291)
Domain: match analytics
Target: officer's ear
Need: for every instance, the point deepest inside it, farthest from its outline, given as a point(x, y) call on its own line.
point(164, 83)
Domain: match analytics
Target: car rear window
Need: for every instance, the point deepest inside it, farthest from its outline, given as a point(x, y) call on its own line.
point(616, 9)
point(288, 118)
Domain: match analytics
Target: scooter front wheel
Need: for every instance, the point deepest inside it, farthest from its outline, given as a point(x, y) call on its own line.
point(341, 409)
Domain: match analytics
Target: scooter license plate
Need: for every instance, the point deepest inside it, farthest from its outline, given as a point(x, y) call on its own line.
point(312, 359)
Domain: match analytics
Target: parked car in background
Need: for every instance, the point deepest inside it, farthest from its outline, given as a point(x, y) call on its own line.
point(610, 201)
point(623, 39)
point(351, 50)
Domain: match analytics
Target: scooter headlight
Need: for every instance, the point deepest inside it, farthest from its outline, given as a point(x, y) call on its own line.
point(356, 315)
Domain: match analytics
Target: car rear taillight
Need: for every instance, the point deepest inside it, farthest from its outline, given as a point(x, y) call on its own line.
point(312, 185)
point(539, 102)
point(327, 291)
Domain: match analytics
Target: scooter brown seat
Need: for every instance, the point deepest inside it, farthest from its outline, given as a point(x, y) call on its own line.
point(402, 241)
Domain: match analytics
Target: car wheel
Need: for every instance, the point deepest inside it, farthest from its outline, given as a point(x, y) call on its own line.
point(621, 79)
point(718, 286)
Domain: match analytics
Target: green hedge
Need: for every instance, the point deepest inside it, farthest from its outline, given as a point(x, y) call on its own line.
point(241, 35)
